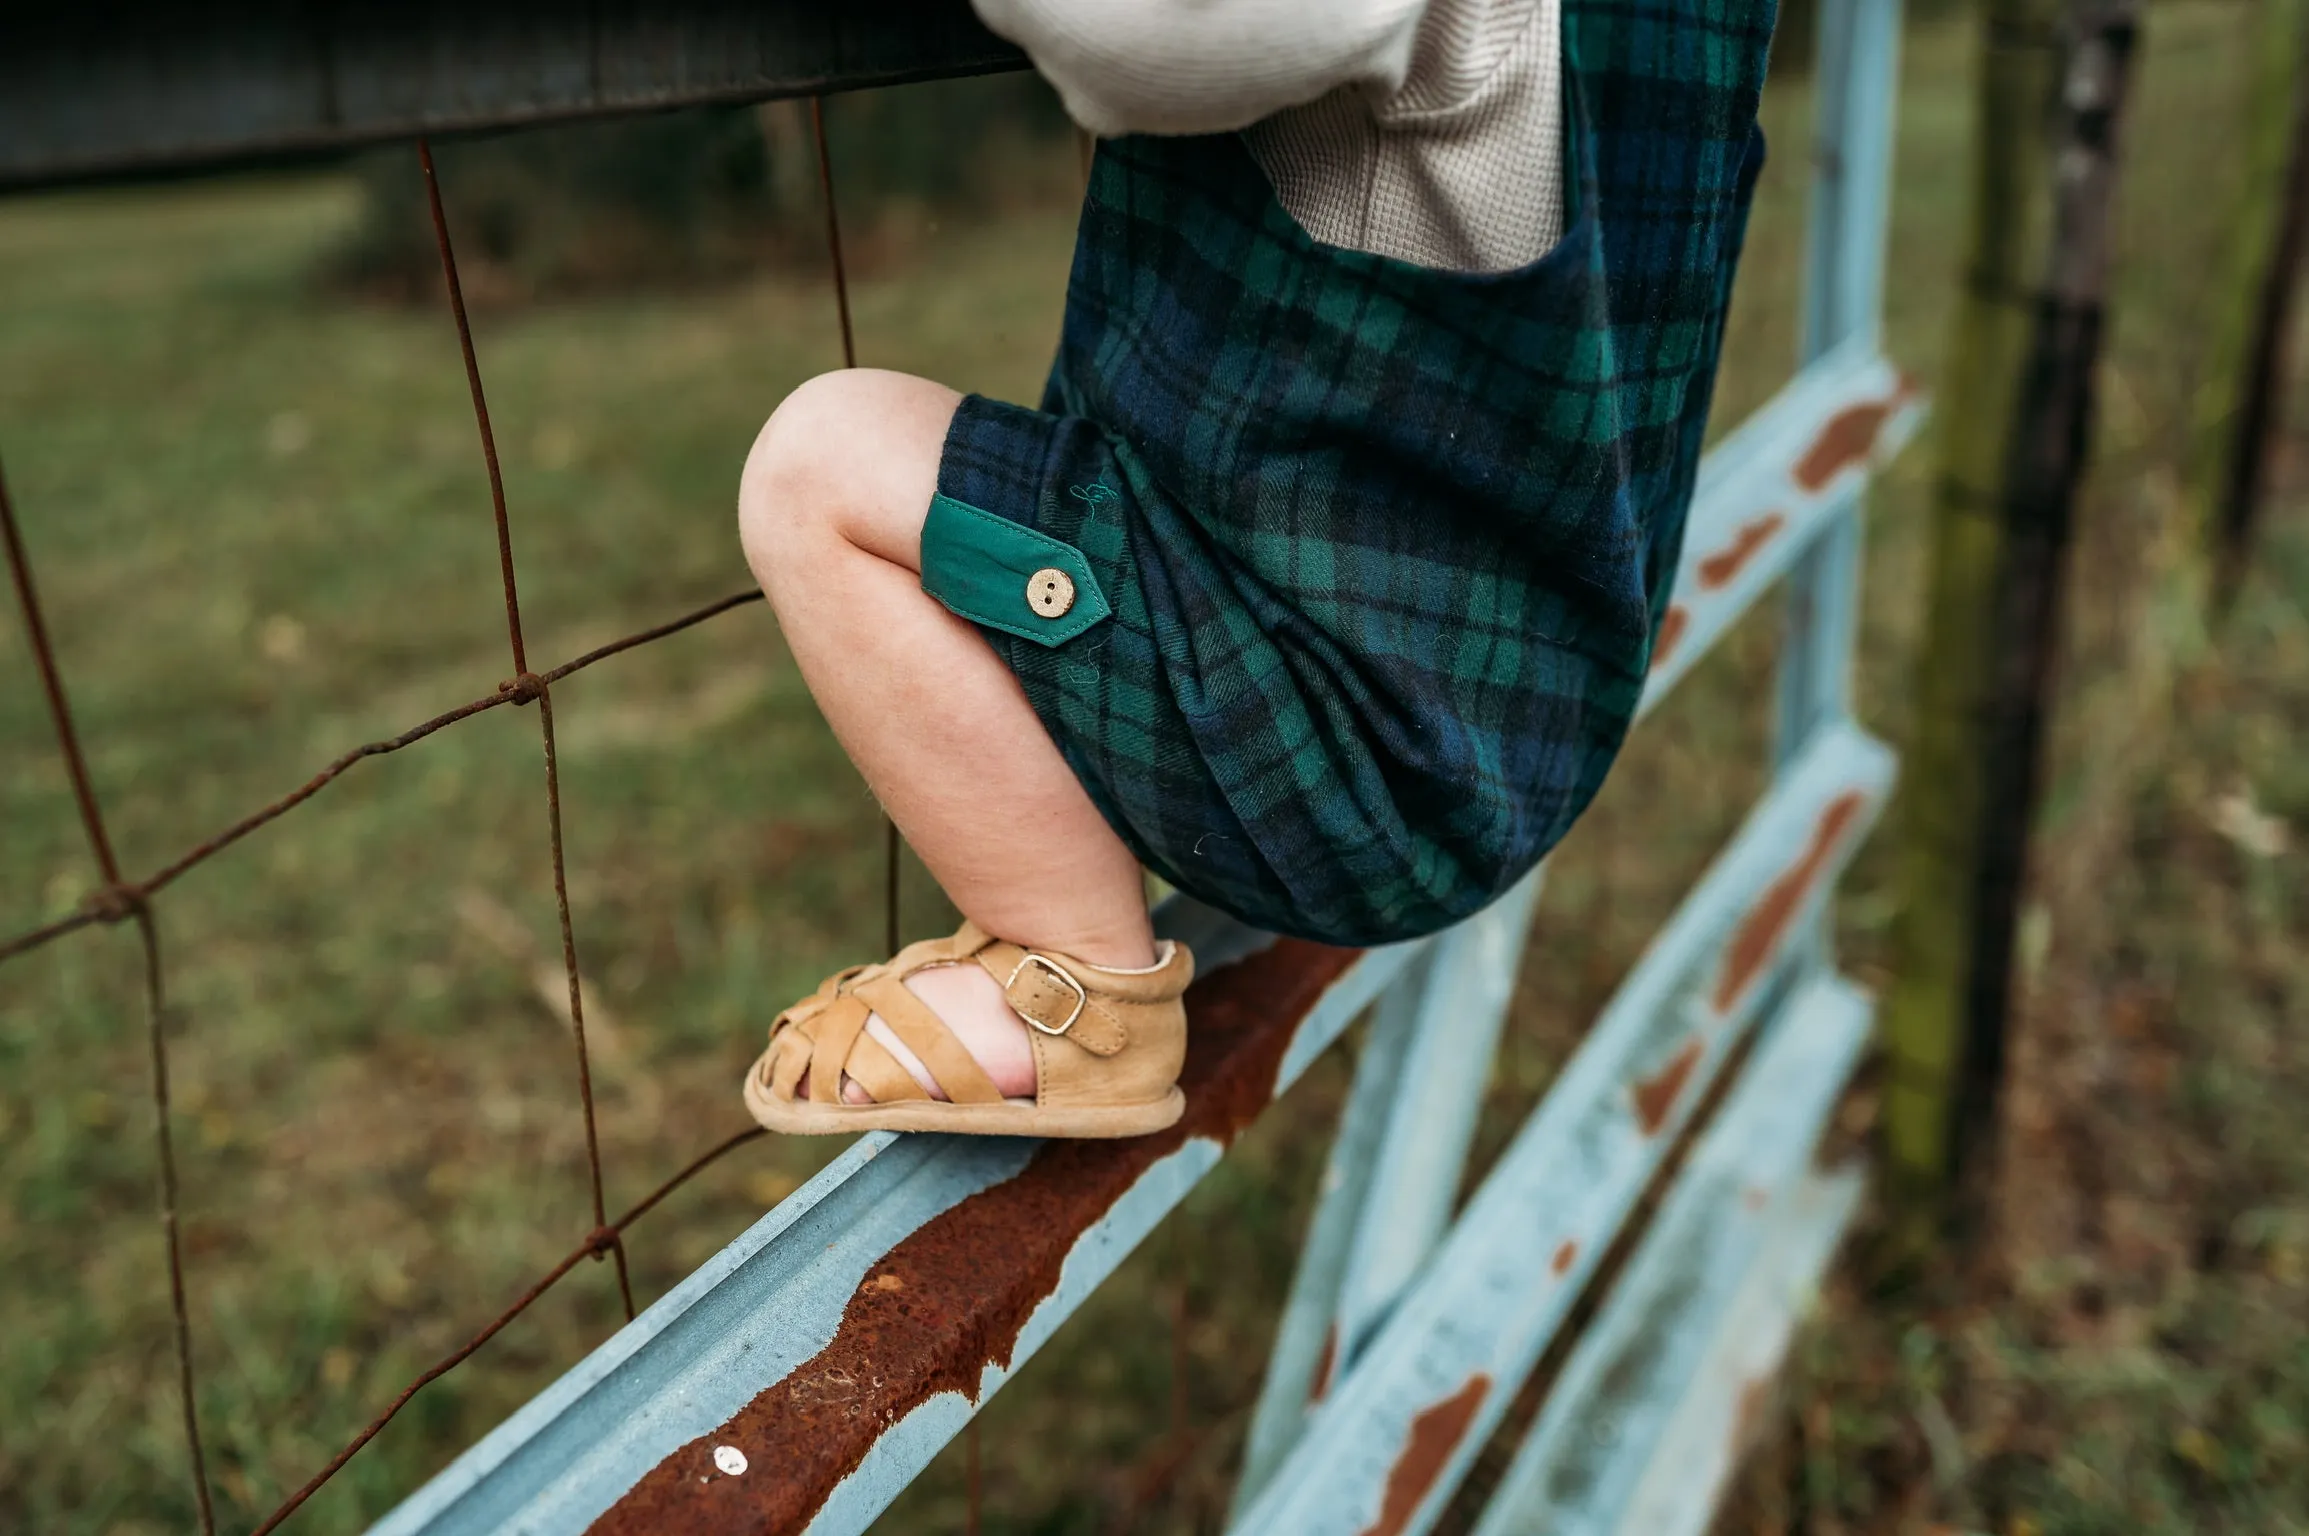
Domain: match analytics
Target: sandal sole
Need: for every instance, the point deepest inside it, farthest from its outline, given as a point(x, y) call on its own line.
point(1102, 1122)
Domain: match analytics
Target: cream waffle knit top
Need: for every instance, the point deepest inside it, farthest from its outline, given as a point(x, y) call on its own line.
point(1428, 130)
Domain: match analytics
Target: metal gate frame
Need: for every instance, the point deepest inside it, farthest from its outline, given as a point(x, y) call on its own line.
point(805, 1375)
point(841, 1342)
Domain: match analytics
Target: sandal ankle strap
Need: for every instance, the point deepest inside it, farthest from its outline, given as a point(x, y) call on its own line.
point(1061, 996)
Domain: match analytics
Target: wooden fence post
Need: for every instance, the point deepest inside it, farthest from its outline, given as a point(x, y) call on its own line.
point(2015, 436)
point(2243, 381)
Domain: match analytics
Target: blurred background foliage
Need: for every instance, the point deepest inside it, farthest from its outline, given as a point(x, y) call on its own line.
point(708, 195)
point(714, 195)
point(257, 507)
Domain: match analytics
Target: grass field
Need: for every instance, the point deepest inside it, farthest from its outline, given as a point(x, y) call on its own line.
point(262, 529)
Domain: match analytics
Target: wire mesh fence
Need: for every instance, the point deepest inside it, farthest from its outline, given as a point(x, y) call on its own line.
point(1781, 490)
point(119, 898)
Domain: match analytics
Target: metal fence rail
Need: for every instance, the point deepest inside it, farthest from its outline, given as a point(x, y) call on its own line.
point(790, 1348)
point(106, 87)
point(803, 1377)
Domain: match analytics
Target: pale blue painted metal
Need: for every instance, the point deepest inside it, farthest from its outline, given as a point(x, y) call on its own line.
point(1747, 483)
point(1461, 1002)
point(1641, 1430)
point(762, 1305)
point(1396, 1166)
point(1403, 1341)
point(1752, 517)
point(1507, 1274)
point(1729, 1401)
point(774, 1298)
point(1857, 75)
point(1611, 1420)
point(1858, 80)
point(1305, 1352)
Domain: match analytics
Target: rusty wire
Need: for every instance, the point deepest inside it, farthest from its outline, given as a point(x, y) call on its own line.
point(833, 230)
point(600, 1240)
point(155, 996)
point(850, 360)
point(119, 899)
point(52, 685)
point(131, 899)
point(526, 682)
point(156, 1040)
point(113, 903)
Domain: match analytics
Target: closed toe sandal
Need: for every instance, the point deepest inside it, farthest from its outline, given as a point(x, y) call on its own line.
point(1108, 1046)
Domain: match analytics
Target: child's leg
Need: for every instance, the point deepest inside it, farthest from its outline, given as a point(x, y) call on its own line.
point(831, 511)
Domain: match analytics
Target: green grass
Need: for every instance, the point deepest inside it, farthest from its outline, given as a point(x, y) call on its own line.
point(263, 532)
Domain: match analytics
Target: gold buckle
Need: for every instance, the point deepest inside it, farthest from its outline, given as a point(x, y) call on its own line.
point(1081, 993)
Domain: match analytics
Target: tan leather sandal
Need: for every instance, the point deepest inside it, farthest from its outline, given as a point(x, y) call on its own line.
point(1108, 1046)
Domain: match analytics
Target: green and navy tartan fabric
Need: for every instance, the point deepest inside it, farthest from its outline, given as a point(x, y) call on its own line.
point(1386, 546)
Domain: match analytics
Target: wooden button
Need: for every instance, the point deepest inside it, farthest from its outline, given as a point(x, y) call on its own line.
point(1050, 592)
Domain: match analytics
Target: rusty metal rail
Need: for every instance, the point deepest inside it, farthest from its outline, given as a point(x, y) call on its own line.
point(852, 1333)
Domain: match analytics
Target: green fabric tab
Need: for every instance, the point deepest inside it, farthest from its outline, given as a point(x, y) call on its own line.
point(979, 566)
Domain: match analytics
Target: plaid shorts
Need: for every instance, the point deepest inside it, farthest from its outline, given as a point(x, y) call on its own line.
point(1362, 561)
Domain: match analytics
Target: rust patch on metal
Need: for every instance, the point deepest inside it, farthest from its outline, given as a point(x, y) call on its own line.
point(1718, 569)
point(1849, 438)
point(951, 1299)
point(1565, 1256)
point(1758, 937)
point(1655, 1096)
point(1673, 623)
point(1435, 1434)
point(1320, 1382)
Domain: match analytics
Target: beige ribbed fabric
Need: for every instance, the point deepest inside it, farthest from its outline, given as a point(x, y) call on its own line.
point(1427, 130)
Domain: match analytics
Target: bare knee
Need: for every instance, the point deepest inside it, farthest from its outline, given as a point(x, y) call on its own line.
point(789, 496)
point(849, 457)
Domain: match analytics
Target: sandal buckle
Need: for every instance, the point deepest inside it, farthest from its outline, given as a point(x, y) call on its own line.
point(1053, 968)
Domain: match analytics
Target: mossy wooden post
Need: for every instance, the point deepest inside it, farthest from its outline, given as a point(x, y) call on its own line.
point(2014, 435)
point(2016, 82)
point(2240, 388)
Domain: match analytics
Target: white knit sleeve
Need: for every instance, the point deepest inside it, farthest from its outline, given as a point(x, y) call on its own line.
point(1205, 66)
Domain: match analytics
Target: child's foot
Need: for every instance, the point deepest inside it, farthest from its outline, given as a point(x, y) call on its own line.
point(970, 1002)
point(974, 1035)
